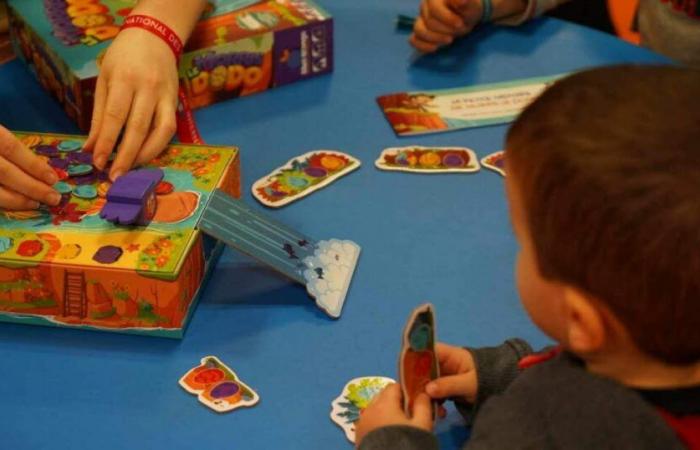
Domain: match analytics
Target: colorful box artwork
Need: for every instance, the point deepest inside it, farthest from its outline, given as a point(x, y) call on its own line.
point(238, 48)
point(66, 266)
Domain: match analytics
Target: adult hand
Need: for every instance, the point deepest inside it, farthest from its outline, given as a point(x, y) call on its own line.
point(136, 91)
point(25, 179)
point(441, 21)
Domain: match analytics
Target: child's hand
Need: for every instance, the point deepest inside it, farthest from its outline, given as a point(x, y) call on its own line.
point(441, 21)
point(25, 180)
point(457, 374)
point(136, 89)
point(386, 409)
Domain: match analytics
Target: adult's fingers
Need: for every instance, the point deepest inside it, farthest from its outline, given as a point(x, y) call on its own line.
point(452, 386)
point(13, 201)
point(433, 24)
point(422, 414)
point(137, 128)
point(116, 111)
point(424, 47)
point(19, 181)
point(164, 129)
point(97, 113)
point(12, 150)
point(443, 13)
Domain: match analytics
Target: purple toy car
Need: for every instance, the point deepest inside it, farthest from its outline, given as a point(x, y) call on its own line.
point(132, 199)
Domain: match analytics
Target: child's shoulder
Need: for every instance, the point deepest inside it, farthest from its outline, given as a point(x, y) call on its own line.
point(558, 404)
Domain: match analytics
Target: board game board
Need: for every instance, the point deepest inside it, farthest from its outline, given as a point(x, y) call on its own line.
point(65, 266)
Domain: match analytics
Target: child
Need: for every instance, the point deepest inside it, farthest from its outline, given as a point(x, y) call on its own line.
point(671, 28)
point(604, 191)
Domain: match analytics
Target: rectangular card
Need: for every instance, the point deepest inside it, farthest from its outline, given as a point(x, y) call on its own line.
point(418, 364)
point(423, 112)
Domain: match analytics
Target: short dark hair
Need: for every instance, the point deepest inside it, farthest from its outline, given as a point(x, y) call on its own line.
point(608, 164)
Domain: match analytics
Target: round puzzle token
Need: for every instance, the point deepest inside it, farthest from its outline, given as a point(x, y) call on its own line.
point(69, 146)
point(87, 192)
point(79, 169)
point(62, 187)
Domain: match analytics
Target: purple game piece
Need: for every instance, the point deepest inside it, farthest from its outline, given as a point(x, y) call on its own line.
point(85, 179)
point(80, 158)
point(109, 254)
point(132, 199)
point(46, 150)
point(59, 163)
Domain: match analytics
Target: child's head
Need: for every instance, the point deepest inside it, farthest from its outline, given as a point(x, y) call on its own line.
point(604, 184)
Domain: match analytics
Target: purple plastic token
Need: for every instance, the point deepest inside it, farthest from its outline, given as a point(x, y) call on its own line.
point(225, 389)
point(58, 163)
point(316, 172)
point(85, 179)
point(109, 254)
point(80, 158)
point(46, 150)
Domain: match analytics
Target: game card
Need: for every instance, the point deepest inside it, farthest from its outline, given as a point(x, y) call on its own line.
point(422, 112)
point(356, 396)
point(301, 176)
point(217, 386)
point(496, 162)
point(419, 159)
point(418, 364)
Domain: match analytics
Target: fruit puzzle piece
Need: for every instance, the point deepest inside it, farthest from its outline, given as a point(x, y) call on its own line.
point(217, 386)
point(132, 198)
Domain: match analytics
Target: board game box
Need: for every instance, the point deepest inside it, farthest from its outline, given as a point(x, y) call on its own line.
point(65, 266)
point(238, 48)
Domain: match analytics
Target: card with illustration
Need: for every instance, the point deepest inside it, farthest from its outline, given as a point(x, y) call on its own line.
point(428, 159)
point(217, 386)
point(356, 396)
point(418, 364)
point(496, 162)
point(422, 112)
point(325, 267)
point(303, 175)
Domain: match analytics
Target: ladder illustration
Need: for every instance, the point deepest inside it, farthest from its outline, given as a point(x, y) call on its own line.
point(74, 296)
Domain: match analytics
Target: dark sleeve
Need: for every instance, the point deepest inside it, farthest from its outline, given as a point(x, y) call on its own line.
point(496, 368)
point(399, 438)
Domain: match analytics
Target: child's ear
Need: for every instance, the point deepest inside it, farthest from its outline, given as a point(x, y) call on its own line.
point(585, 324)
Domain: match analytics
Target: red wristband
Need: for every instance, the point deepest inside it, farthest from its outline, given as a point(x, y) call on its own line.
point(158, 28)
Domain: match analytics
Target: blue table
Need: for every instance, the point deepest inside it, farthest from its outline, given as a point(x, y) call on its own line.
point(444, 239)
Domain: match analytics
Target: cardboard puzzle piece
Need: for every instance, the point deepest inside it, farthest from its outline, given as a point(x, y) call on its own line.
point(419, 159)
point(325, 267)
point(131, 200)
point(496, 162)
point(418, 364)
point(356, 396)
point(302, 176)
point(217, 386)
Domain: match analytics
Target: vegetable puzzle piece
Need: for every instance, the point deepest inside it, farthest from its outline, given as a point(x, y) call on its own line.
point(418, 364)
point(496, 162)
point(301, 176)
point(325, 267)
point(356, 396)
point(132, 198)
point(217, 386)
point(419, 159)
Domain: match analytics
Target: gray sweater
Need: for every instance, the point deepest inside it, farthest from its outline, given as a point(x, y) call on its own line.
point(555, 404)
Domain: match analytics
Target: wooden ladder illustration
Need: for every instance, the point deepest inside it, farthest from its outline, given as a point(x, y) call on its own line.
point(74, 296)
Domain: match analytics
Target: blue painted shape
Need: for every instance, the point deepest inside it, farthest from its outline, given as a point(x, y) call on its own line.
point(69, 146)
point(63, 188)
point(5, 243)
point(86, 191)
point(79, 169)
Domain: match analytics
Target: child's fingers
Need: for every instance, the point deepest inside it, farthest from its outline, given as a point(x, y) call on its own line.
point(96, 122)
point(13, 201)
point(163, 131)
point(424, 34)
point(434, 24)
point(453, 360)
point(137, 127)
point(116, 111)
point(441, 12)
point(422, 416)
point(12, 150)
point(422, 46)
point(462, 385)
point(19, 181)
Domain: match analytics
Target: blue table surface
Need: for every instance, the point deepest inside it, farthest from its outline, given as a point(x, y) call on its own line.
point(442, 238)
